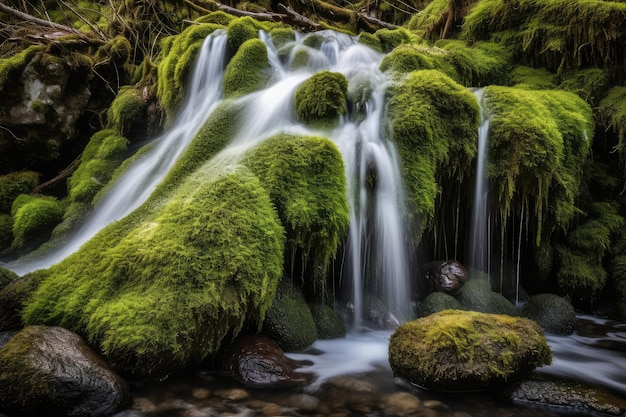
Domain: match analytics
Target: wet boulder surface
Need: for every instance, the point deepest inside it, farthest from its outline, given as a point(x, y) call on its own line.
point(51, 371)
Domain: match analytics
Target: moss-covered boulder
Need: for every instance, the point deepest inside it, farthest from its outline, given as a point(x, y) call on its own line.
point(248, 70)
point(34, 217)
point(129, 108)
point(321, 99)
point(327, 322)
point(434, 122)
point(51, 371)
point(14, 184)
point(289, 321)
point(553, 313)
point(477, 295)
point(6, 277)
point(6, 231)
point(241, 30)
point(413, 57)
point(437, 301)
point(13, 297)
point(162, 288)
point(460, 350)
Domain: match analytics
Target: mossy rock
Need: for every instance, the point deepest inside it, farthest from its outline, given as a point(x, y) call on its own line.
point(434, 123)
point(217, 18)
point(436, 302)
point(370, 40)
point(10, 68)
point(248, 70)
point(160, 289)
point(483, 63)
point(392, 38)
point(6, 277)
point(462, 350)
point(327, 322)
point(6, 231)
point(533, 78)
point(590, 84)
point(476, 295)
point(241, 30)
point(13, 297)
point(306, 182)
point(14, 184)
point(282, 36)
point(127, 109)
point(553, 313)
point(321, 99)
point(34, 217)
point(413, 57)
point(289, 321)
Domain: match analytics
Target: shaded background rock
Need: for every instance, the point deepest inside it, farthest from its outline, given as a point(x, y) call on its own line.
point(51, 371)
point(553, 313)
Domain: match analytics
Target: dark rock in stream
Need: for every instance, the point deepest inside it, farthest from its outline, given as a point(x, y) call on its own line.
point(565, 395)
point(257, 360)
point(446, 276)
point(50, 371)
point(553, 313)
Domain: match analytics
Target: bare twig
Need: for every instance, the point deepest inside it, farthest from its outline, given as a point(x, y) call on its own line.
point(62, 175)
point(24, 16)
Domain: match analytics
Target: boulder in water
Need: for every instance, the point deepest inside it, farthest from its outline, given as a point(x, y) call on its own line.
point(322, 99)
point(51, 371)
point(553, 313)
point(437, 301)
point(464, 350)
point(477, 295)
point(327, 322)
point(446, 276)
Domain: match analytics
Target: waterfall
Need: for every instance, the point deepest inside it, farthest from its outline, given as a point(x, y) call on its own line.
point(137, 183)
point(479, 245)
point(377, 256)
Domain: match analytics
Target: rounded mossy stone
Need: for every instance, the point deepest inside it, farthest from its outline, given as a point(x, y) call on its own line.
point(218, 17)
point(533, 78)
point(101, 156)
point(126, 110)
point(289, 321)
point(413, 57)
point(464, 350)
point(6, 231)
point(477, 295)
point(321, 99)
point(437, 301)
point(553, 313)
point(282, 36)
point(160, 289)
point(299, 57)
point(371, 40)
point(13, 297)
point(14, 184)
point(11, 68)
point(392, 38)
point(6, 277)
point(248, 70)
point(313, 40)
point(327, 322)
point(434, 123)
point(241, 30)
point(305, 178)
point(34, 217)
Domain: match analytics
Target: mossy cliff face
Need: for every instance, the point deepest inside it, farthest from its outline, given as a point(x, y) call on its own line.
point(464, 350)
point(160, 290)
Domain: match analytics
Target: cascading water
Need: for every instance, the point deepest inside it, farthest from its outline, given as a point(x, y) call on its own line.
point(138, 182)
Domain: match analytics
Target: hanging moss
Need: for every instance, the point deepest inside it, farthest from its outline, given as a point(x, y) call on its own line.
point(306, 182)
point(101, 156)
point(34, 217)
point(441, 19)
point(162, 288)
point(612, 112)
point(178, 53)
point(321, 99)
point(618, 280)
point(590, 84)
point(580, 276)
point(14, 184)
point(248, 70)
point(434, 123)
point(127, 109)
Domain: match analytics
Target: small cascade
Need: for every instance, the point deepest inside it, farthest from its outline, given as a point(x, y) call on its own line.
point(138, 182)
point(479, 248)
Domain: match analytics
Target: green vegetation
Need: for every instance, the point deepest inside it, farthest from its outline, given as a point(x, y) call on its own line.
point(321, 99)
point(612, 111)
point(248, 70)
point(434, 123)
point(553, 313)
point(241, 30)
point(477, 295)
point(463, 350)
point(306, 183)
point(412, 57)
point(327, 322)
point(436, 302)
point(126, 109)
point(10, 67)
point(162, 288)
point(14, 184)
point(6, 231)
point(34, 217)
point(483, 63)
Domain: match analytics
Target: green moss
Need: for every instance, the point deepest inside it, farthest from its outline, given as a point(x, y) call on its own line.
point(306, 182)
point(6, 231)
point(241, 30)
point(476, 295)
point(553, 313)
point(321, 99)
point(162, 288)
point(392, 38)
point(101, 156)
point(612, 112)
point(300, 57)
point(412, 57)
point(218, 18)
point(14, 184)
point(483, 63)
point(533, 78)
point(370, 40)
point(436, 302)
point(9, 67)
point(327, 322)
point(118, 50)
point(6, 277)
point(127, 109)
point(434, 123)
point(34, 217)
point(248, 70)
point(289, 321)
point(282, 36)
point(618, 280)
point(590, 84)
point(313, 40)
point(466, 350)
point(580, 276)
point(13, 298)
point(177, 57)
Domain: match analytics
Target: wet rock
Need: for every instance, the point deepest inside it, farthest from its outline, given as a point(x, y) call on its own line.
point(446, 276)
point(477, 295)
point(401, 404)
point(436, 405)
point(378, 315)
point(302, 402)
point(235, 394)
point(6, 336)
point(565, 394)
point(200, 393)
point(437, 301)
point(144, 405)
point(257, 360)
point(466, 350)
point(51, 371)
point(351, 383)
point(327, 322)
point(553, 313)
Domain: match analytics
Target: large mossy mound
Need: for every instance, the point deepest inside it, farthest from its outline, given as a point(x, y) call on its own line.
point(14, 184)
point(434, 123)
point(477, 295)
point(248, 70)
point(553, 313)
point(306, 183)
point(160, 290)
point(460, 350)
point(34, 217)
point(322, 99)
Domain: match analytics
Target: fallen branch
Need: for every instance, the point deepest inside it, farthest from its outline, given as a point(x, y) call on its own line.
point(40, 22)
point(61, 176)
